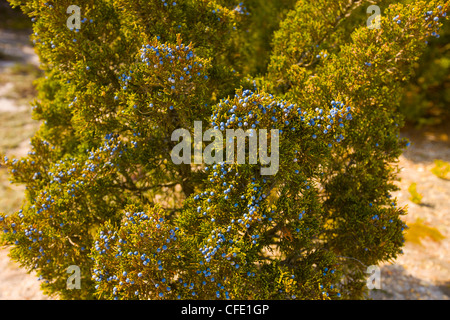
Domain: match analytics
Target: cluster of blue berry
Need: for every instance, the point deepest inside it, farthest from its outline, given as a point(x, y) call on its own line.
point(146, 240)
point(241, 9)
point(64, 177)
point(174, 67)
point(166, 3)
point(435, 20)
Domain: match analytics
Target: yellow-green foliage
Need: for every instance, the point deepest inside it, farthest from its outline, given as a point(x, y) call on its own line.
point(441, 169)
point(114, 92)
point(418, 230)
point(415, 196)
point(427, 97)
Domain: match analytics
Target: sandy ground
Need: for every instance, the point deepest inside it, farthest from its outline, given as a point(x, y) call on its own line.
point(423, 272)
point(15, 283)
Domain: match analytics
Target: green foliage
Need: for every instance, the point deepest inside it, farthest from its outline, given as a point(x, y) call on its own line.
point(103, 193)
point(415, 196)
point(426, 99)
point(256, 39)
point(441, 169)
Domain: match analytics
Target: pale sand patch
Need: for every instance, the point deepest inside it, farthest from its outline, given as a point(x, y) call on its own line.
point(9, 105)
point(15, 283)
